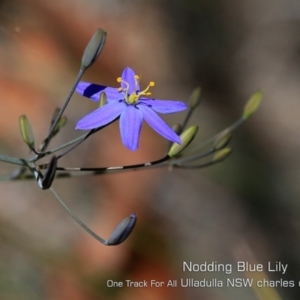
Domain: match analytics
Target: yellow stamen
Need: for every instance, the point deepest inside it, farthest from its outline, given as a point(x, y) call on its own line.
point(145, 91)
point(134, 97)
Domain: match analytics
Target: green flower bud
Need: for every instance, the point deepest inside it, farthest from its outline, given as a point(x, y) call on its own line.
point(61, 123)
point(186, 138)
point(93, 49)
point(221, 155)
point(26, 131)
point(252, 105)
point(222, 140)
point(195, 98)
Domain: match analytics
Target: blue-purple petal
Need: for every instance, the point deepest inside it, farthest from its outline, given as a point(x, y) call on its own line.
point(92, 91)
point(101, 116)
point(130, 127)
point(164, 106)
point(128, 77)
point(158, 124)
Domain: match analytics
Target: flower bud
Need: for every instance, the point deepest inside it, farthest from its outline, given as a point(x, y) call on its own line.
point(222, 140)
point(221, 155)
point(26, 131)
point(93, 49)
point(49, 174)
point(252, 105)
point(122, 232)
point(186, 138)
point(195, 98)
point(61, 123)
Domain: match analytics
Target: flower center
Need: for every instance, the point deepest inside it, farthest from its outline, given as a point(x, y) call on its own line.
point(134, 96)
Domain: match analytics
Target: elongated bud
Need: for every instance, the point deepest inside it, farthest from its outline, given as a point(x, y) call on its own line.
point(195, 98)
point(48, 178)
point(252, 105)
point(26, 131)
point(186, 138)
point(61, 123)
point(222, 141)
point(102, 99)
point(93, 49)
point(122, 232)
point(221, 155)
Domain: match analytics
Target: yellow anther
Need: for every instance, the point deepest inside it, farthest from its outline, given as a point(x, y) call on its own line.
point(119, 79)
point(137, 77)
point(120, 89)
point(152, 83)
point(148, 94)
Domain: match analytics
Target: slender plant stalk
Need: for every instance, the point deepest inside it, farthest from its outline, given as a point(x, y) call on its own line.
point(76, 219)
point(59, 115)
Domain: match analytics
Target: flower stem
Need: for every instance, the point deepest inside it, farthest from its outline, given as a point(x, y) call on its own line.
point(83, 138)
point(49, 136)
point(107, 169)
point(76, 219)
point(229, 129)
point(13, 160)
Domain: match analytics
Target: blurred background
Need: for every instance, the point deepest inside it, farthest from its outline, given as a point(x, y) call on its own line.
point(246, 208)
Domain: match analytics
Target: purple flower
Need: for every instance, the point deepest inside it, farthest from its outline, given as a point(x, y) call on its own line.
point(131, 104)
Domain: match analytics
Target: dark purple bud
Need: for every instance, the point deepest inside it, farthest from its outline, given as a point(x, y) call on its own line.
point(122, 232)
point(49, 174)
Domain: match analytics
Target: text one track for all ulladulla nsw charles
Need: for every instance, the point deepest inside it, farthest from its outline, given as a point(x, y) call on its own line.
point(248, 276)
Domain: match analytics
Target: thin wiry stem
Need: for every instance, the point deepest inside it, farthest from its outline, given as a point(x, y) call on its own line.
point(84, 137)
point(77, 220)
point(85, 173)
point(186, 119)
point(17, 175)
point(107, 169)
point(229, 129)
point(59, 115)
point(200, 166)
point(193, 158)
point(41, 155)
point(73, 143)
point(12, 160)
